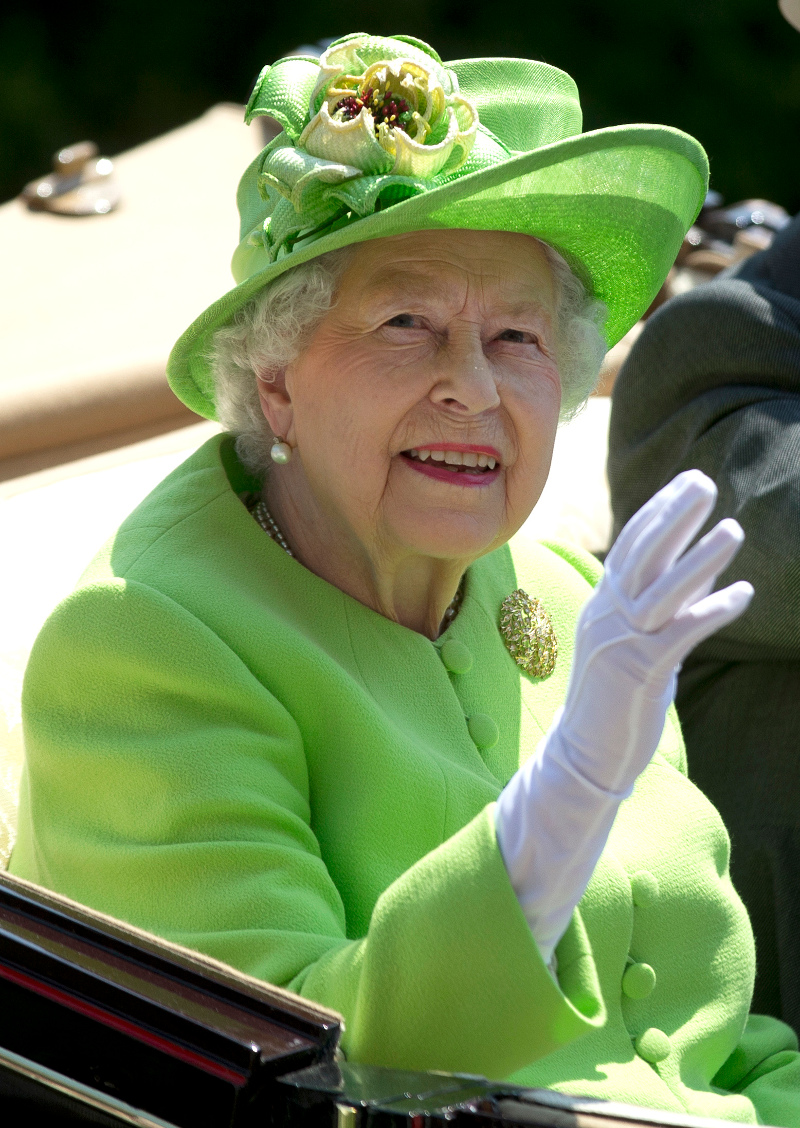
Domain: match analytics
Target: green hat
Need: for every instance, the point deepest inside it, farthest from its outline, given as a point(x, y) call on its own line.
point(380, 137)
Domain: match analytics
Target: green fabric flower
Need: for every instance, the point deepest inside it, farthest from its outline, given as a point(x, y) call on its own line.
point(373, 121)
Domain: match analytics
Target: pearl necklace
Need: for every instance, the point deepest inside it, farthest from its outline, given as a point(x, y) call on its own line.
point(455, 604)
point(270, 527)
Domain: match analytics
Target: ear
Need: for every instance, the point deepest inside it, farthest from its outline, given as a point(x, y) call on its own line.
point(276, 403)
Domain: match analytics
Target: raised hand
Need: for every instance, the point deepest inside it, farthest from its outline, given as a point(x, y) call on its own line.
point(652, 606)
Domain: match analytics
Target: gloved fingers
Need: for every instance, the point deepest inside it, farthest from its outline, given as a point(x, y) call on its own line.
point(639, 521)
point(657, 535)
point(698, 622)
point(689, 580)
point(668, 533)
point(652, 508)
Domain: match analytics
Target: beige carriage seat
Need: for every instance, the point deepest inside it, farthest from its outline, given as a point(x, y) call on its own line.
point(91, 306)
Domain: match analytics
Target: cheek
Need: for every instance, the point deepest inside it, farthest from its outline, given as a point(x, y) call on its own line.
point(535, 412)
point(347, 413)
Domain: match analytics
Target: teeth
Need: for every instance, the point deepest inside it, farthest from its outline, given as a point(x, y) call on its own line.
point(468, 459)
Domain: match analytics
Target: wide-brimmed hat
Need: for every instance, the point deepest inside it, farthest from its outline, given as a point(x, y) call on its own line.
point(380, 137)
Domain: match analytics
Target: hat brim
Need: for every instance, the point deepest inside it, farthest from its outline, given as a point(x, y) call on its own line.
point(616, 203)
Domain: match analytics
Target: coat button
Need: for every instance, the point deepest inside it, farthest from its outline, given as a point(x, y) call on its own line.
point(483, 730)
point(456, 657)
point(644, 887)
point(653, 1046)
point(638, 981)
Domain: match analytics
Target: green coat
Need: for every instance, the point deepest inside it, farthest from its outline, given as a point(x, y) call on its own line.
point(226, 750)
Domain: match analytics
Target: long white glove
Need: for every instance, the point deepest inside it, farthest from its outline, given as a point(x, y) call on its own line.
point(651, 608)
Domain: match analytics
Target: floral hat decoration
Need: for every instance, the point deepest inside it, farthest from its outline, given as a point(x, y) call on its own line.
point(380, 137)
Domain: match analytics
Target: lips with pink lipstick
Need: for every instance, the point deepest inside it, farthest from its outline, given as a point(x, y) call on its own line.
point(460, 464)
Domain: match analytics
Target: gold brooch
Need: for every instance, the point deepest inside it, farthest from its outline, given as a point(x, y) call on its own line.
point(529, 634)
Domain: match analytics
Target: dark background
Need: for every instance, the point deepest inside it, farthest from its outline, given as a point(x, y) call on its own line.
point(727, 71)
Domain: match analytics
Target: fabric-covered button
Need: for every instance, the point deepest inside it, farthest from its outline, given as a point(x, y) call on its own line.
point(483, 730)
point(644, 887)
point(638, 981)
point(456, 657)
point(654, 1045)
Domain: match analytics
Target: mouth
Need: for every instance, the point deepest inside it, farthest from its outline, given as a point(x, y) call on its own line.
point(456, 463)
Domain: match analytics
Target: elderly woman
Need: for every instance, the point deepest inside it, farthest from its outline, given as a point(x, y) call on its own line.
point(275, 719)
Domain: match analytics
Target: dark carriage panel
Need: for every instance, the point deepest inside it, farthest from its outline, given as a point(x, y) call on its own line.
point(118, 1013)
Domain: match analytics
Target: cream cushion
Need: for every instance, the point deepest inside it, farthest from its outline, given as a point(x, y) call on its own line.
point(90, 308)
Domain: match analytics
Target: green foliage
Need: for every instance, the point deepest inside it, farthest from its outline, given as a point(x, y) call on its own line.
point(727, 71)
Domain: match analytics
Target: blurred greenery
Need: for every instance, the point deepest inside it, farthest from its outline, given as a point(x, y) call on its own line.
point(727, 71)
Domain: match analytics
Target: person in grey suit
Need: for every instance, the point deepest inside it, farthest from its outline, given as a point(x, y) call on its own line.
point(714, 382)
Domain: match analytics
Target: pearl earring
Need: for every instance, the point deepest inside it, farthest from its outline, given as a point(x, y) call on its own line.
point(280, 451)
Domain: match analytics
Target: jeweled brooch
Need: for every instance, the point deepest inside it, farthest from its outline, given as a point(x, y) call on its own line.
point(528, 633)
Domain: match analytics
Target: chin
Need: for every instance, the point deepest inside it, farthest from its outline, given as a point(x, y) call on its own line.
point(452, 536)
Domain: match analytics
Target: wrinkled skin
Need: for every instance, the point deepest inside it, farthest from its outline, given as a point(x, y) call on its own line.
point(434, 337)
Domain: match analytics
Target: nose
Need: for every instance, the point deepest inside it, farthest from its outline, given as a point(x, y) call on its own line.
point(466, 383)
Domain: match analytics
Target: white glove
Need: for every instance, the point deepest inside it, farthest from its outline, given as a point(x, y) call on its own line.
point(651, 608)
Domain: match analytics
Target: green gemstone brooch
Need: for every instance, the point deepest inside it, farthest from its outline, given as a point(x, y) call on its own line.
point(528, 633)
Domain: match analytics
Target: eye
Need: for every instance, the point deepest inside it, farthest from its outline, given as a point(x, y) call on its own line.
point(518, 337)
point(404, 321)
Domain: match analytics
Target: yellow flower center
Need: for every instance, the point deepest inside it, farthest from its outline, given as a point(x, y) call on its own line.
point(398, 96)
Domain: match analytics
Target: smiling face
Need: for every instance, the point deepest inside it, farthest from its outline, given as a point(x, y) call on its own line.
point(423, 410)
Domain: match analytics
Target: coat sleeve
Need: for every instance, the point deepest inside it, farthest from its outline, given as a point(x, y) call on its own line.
point(765, 1067)
point(712, 383)
point(166, 786)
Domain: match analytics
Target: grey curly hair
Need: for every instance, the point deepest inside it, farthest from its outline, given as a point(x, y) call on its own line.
point(269, 331)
